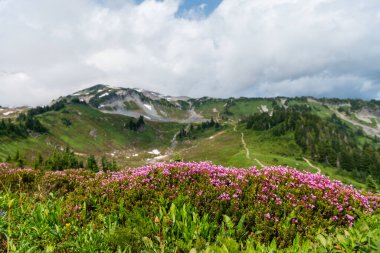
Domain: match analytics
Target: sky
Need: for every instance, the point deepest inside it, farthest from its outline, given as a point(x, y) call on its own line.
point(217, 48)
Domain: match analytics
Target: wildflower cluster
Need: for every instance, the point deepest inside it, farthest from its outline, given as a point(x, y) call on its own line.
point(3, 166)
point(62, 182)
point(17, 179)
point(269, 197)
point(280, 202)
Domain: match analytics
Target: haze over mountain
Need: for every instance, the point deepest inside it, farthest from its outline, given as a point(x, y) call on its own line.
point(194, 48)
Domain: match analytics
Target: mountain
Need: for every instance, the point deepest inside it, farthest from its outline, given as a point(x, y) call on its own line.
point(135, 102)
point(162, 108)
point(338, 137)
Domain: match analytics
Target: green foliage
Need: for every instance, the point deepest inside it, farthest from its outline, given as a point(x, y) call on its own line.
point(108, 165)
point(192, 131)
point(92, 164)
point(131, 105)
point(138, 125)
point(27, 225)
point(328, 141)
point(66, 122)
point(371, 184)
point(21, 128)
point(40, 110)
point(60, 160)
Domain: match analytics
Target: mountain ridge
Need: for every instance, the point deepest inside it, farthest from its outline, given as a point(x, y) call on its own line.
point(154, 106)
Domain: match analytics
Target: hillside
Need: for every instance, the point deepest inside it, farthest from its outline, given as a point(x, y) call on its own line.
point(89, 131)
point(100, 121)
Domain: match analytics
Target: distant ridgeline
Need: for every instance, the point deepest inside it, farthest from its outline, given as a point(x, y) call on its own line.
point(330, 141)
point(26, 123)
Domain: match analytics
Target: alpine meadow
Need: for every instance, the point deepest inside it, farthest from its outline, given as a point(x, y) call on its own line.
point(189, 126)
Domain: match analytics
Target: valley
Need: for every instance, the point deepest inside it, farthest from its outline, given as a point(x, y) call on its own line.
point(119, 168)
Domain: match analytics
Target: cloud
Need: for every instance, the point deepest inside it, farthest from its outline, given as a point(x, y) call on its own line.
point(243, 48)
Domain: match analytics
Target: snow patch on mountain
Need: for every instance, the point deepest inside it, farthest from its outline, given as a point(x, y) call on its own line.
point(154, 152)
point(149, 107)
point(103, 95)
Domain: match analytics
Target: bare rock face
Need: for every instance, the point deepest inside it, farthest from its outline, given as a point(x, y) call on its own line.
point(93, 133)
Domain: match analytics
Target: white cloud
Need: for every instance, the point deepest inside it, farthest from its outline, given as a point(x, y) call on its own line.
point(244, 48)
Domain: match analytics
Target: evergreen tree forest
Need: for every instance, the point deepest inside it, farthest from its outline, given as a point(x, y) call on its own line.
point(191, 131)
point(328, 141)
point(136, 125)
point(27, 122)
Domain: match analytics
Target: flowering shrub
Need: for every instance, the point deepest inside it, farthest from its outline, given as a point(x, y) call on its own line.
point(62, 182)
point(17, 179)
point(3, 166)
point(277, 201)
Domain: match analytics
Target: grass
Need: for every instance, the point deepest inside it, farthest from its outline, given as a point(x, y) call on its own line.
point(131, 105)
point(243, 107)
point(171, 112)
point(227, 149)
point(91, 132)
point(206, 108)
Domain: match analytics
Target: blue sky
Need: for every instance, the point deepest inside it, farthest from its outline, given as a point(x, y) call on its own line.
point(205, 7)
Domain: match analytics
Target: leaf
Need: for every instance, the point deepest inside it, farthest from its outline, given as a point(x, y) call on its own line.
point(340, 238)
point(322, 240)
point(273, 245)
point(227, 220)
point(240, 225)
point(50, 248)
point(296, 242)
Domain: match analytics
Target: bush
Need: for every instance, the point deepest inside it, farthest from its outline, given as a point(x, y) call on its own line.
point(277, 202)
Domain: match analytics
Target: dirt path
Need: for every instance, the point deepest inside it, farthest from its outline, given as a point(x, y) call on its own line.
point(247, 154)
point(245, 146)
point(311, 165)
point(173, 142)
point(215, 135)
point(258, 161)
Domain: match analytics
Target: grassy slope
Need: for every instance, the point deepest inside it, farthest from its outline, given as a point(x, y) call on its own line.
point(206, 108)
point(226, 149)
point(240, 107)
point(91, 132)
point(243, 107)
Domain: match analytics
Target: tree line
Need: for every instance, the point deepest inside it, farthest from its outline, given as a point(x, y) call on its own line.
point(136, 125)
point(191, 131)
point(64, 159)
point(328, 141)
point(27, 122)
